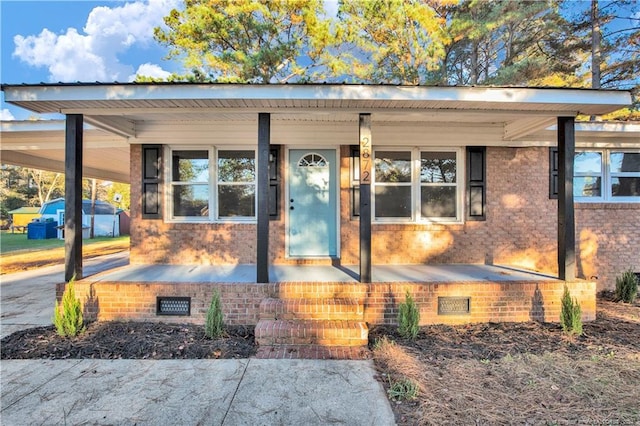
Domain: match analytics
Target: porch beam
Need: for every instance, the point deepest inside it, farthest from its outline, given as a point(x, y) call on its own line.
point(73, 197)
point(365, 197)
point(566, 218)
point(262, 246)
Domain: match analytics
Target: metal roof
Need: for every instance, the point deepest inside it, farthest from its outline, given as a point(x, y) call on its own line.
point(91, 98)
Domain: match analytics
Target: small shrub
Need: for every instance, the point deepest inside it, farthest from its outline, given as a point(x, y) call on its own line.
point(571, 314)
point(627, 287)
point(67, 316)
point(408, 318)
point(403, 390)
point(214, 324)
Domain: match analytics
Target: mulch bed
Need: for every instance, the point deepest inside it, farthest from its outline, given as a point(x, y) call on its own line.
point(130, 340)
point(149, 340)
point(490, 341)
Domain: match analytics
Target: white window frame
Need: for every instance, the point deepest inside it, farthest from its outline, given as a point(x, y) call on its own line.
point(254, 183)
point(606, 177)
point(213, 183)
point(416, 186)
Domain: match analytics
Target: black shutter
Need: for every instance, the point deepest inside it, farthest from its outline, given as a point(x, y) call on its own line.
point(476, 183)
point(151, 181)
point(553, 173)
point(274, 182)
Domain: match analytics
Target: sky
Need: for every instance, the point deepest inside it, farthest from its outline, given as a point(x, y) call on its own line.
point(54, 41)
point(68, 41)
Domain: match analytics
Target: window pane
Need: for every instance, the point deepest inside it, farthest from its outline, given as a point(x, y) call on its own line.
point(393, 201)
point(393, 166)
point(190, 166)
point(191, 200)
point(588, 186)
point(438, 201)
point(236, 166)
point(437, 167)
point(625, 162)
point(625, 187)
point(236, 200)
point(588, 162)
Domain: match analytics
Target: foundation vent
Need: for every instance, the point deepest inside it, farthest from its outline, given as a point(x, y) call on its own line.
point(454, 305)
point(180, 306)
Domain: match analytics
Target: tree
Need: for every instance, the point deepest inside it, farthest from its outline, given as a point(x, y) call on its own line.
point(510, 43)
point(244, 41)
point(48, 185)
point(124, 189)
point(612, 32)
point(394, 41)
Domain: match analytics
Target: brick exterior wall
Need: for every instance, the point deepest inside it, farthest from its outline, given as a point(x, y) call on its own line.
point(608, 241)
point(490, 301)
point(520, 230)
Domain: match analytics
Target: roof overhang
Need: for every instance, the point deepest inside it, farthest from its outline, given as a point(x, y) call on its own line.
point(118, 108)
point(117, 115)
point(41, 145)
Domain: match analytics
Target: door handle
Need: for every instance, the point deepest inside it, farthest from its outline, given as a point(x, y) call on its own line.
point(291, 208)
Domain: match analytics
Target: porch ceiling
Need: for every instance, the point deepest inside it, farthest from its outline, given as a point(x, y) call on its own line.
point(41, 145)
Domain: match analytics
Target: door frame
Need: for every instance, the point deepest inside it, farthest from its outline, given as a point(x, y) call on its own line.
point(288, 148)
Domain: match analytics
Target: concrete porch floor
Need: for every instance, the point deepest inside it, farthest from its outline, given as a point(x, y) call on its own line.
point(318, 273)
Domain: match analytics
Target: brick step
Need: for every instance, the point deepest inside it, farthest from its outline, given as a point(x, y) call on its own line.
point(313, 352)
point(320, 290)
point(311, 332)
point(316, 309)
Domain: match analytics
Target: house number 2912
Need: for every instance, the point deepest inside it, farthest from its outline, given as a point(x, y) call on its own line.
point(365, 160)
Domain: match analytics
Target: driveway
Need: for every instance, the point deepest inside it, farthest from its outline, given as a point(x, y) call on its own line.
point(27, 298)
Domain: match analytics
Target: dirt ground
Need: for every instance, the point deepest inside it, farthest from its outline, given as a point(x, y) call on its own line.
point(512, 373)
point(26, 260)
point(494, 373)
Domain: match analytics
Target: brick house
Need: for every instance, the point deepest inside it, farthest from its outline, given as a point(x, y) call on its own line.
point(482, 202)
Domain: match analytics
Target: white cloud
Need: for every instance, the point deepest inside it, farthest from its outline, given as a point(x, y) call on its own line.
point(150, 70)
point(93, 55)
point(5, 115)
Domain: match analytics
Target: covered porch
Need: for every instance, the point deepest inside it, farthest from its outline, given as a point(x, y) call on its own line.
point(152, 117)
point(446, 294)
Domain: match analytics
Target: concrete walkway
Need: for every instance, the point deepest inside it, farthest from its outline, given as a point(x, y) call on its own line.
point(192, 392)
point(27, 298)
point(172, 392)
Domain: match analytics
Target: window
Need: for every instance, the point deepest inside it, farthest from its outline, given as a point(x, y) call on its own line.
point(190, 183)
point(624, 168)
point(607, 175)
point(416, 185)
point(236, 184)
point(207, 190)
point(587, 174)
point(392, 189)
point(438, 184)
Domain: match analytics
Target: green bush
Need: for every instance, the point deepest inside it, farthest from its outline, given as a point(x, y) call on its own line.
point(214, 324)
point(571, 314)
point(67, 316)
point(408, 318)
point(627, 287)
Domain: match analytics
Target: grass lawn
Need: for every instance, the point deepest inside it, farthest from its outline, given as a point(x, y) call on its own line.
point(17, 253)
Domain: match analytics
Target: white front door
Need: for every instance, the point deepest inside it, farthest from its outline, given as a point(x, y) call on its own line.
point(312, 203)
